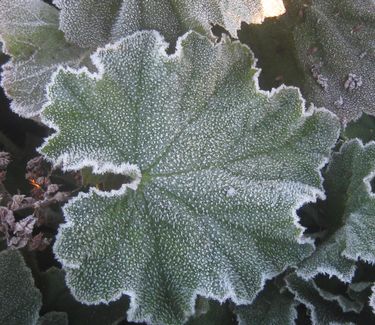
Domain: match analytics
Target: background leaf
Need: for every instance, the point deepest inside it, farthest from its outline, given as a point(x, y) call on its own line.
point(53, 318)
point(335, 46)
point(274, 305)
point(92, 23)
point(20, 301)
point(350, 206)
point(29, 31)
point(322, 311)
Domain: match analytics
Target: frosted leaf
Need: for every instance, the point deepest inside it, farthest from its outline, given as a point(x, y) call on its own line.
point(341, 34)
point(89, 23)
point(323, 312)
point(352, 205)
point(272, 306)
point(359, 292)
point(20, 301)
point(372, 299)
point(29, 31)
point(192, 125)
point(346, 303)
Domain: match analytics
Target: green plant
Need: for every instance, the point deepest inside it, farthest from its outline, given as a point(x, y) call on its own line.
point(209, 190)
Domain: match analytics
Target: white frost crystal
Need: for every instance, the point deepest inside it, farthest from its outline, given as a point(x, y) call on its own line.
point(196, 126)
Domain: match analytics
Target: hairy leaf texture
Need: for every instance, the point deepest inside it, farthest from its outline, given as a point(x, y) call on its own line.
point(335, 45)
point(220, 166)
point(352, 204)
point(90, 23)
point(372, 299)
point(20, 301)
point(29, 31)
point(273, 306)
point(323, 312)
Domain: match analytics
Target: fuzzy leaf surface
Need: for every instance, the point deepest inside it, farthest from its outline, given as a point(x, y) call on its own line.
point(372, 299)
point(90, 23)
point(20, 301)
point(352, 205)
point(336, 42)
point(223, 169)
point(271, 307)
point(29, 31)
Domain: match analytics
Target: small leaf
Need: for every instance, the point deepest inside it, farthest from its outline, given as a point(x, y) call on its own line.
point(20, 301)
point(323, 312)
point(29, 31)
point(344, 302)
point(359, 291)
point(352, 207)
point(90, 23)
point(220, 166)
point(340, 73)
point(363, 128)
point(272, 306)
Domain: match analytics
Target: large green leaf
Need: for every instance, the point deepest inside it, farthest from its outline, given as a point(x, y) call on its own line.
point(20, 301)
point(336, 49)
point(29, 31)
point(89, 23)
point(220, 166)
point(351, 208)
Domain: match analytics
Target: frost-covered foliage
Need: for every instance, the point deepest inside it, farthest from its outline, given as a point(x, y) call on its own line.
point(335, 45)
point(199, 179)
point(91, 23)
point(351, 205)
point(20, 301)
point(30, 35)
point(322, 311)
point(214, 213)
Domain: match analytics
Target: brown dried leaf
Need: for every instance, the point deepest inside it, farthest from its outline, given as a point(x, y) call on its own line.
point(19, 201)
